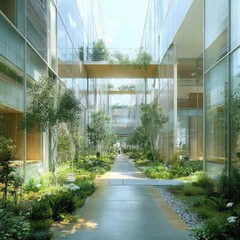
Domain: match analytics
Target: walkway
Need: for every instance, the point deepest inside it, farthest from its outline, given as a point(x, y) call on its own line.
point(125, 206)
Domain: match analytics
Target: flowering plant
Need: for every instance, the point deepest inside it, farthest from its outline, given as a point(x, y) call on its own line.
point(215, 228)
point(232, 226)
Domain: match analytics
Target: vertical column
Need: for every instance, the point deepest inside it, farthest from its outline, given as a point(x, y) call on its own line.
point(175, 96)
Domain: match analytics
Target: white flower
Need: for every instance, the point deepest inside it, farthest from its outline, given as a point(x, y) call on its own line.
point(230, 204)
point(232, 219)
point(38, 185)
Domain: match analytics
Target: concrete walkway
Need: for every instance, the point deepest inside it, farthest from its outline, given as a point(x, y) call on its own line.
point(126, 207)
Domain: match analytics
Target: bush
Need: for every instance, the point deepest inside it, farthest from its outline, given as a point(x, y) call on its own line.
point(190, 190)
point(30, 186)
point(157, 172)
point(219, 228)
point(62, 201)
point(40, 209)
point(206, 183)
point(13, 226)
point(211, 230)
point(229, 186)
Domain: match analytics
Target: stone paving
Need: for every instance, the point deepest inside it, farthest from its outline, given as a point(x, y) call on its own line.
point(125, 206)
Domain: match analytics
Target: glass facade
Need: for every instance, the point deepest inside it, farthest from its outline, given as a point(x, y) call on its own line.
point(221, 78)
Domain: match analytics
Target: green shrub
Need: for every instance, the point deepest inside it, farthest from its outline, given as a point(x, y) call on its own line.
point(229, 186)
point(143, 163)
point(211, 230)
point(40, 209)
point(157, 172)
point(190, 190)
point(13, 226)
point(204, 211)
point(47, 179)
point(220, 203)
point(40, 224)
point(62, 202)
point(41, 234)
point(86, 188)
point(219, 228)
point(207, 183)
point(30, 186)
point(177, 189)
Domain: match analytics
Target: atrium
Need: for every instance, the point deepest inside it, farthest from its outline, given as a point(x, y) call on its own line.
point(192, 73)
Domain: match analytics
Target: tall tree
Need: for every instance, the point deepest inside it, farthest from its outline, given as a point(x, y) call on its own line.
point(152, 121)
point(97, 130)
point(7, 149)
point(52, 104)
point(99, 51)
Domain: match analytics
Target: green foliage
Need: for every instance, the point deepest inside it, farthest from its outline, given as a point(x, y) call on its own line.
point(69, 109)
point(190, 190)
point(63, 146)
point(95, 165)
point(97, 130)
point(235, 107)
point(152, 120)
point(41, 234)
point(156, 172)
point(86, 189)
point(99, 51)
point(211, 230)
point(30, 186)
point(220, 203)
point(143, 59)
point(219, 228)
point(229, 186)
point(41, 209)
point(13, 226)
point(81, 53)
point(46, 179)
point(7, 150)
point(48, 109)
point(206, 183)
point(177, 170)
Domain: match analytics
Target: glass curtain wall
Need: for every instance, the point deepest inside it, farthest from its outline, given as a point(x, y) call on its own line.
point(216, 80)
point(235, 70)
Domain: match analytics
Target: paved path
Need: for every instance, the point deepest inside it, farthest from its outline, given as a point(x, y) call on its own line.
point(125, 207)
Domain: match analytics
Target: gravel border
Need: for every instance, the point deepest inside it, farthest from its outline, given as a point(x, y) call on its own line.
point(190, 218)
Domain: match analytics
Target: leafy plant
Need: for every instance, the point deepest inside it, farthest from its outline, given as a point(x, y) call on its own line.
point(13, 226)
point(211, 230)
point(229, 186)
point(190, 190)
point(52, 104)
point(220, 203)
point(30, 186)
point(41, 209)
point(97, 130)
point(7, 149)
point(99, 51)
point(152, 120)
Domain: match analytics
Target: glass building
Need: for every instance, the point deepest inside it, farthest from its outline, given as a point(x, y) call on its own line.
point(196, 58)
point(42, 38)
point(196, 44)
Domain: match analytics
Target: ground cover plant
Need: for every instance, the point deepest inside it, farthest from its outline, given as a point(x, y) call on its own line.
point(43, 201)
point(180, 169)
point(218, 210)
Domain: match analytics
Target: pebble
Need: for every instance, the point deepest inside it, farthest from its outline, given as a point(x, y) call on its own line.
point(190, 218)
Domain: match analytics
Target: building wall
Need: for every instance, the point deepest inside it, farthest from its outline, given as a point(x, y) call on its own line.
point(180, 83)
point(36, 36)
point(221, 61)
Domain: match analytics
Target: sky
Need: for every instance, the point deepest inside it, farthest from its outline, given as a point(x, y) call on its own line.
point(123, 23)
